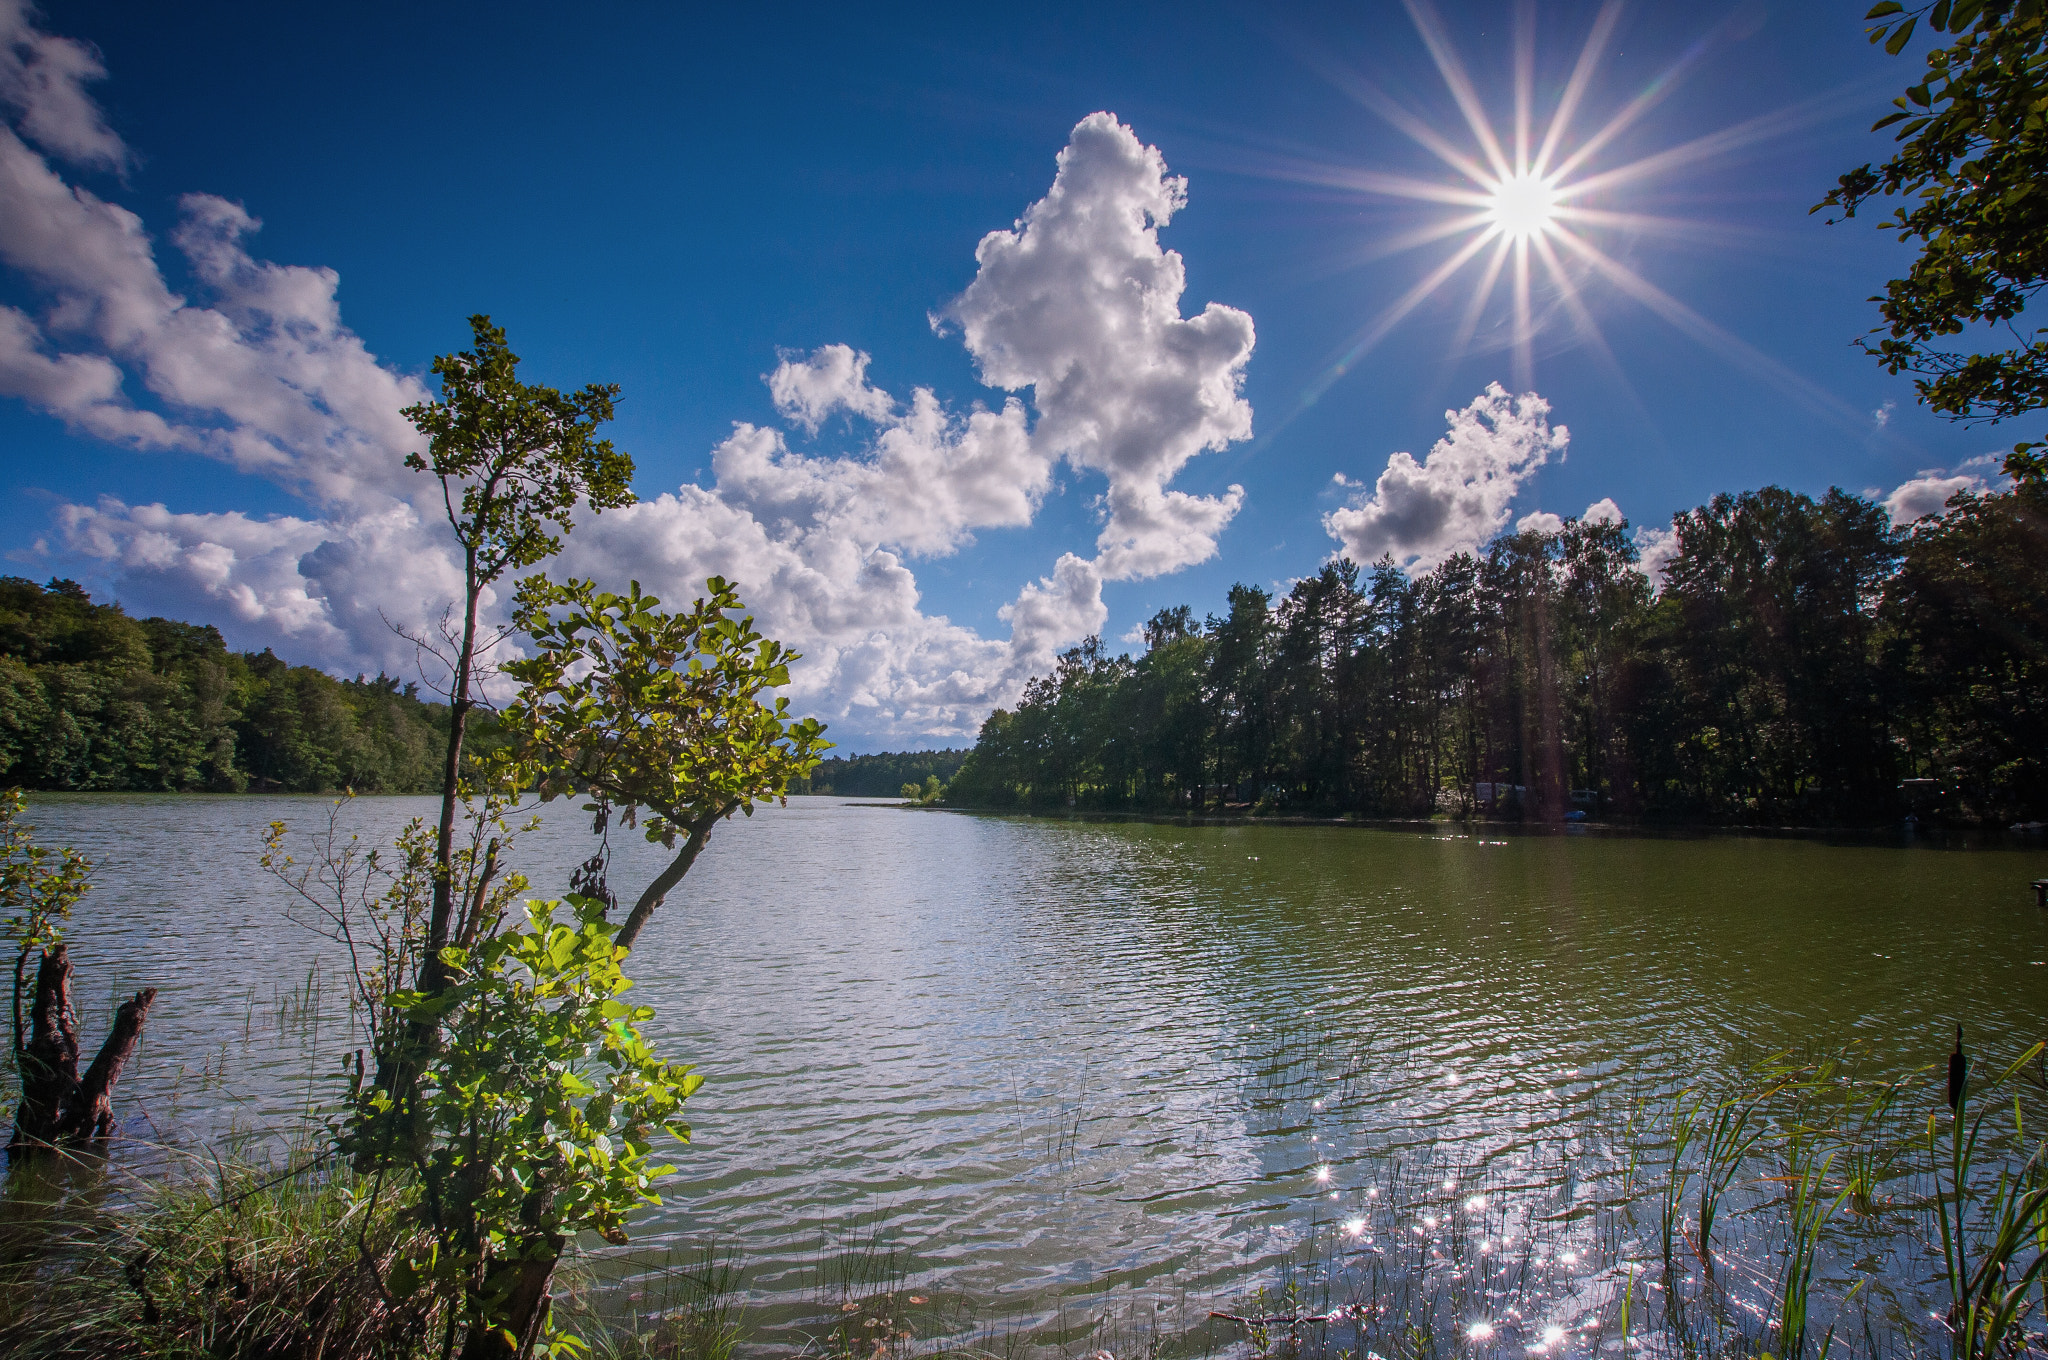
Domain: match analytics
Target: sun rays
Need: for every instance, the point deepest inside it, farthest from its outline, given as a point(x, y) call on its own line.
point(1525, 206)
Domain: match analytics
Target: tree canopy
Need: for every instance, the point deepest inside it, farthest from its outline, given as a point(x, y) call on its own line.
point(92, 699)
point(1973, 148)
point(1804, 663)
point(655, 715)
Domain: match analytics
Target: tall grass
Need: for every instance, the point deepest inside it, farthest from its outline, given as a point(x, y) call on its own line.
point(244, 1259)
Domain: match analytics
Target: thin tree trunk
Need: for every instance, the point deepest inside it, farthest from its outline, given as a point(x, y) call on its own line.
point(525, 1311)
point(643, 910)
point(442, 916)
point(397, 1071)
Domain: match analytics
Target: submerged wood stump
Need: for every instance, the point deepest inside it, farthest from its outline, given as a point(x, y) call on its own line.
point(57, 1104)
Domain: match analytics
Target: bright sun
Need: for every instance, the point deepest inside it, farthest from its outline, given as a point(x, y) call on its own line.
point(1522, 206)
point(1526, 207)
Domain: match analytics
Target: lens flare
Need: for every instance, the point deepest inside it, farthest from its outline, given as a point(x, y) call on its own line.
point(1524, 205)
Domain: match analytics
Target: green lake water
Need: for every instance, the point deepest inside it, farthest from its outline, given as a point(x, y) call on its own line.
point(1052, 1071)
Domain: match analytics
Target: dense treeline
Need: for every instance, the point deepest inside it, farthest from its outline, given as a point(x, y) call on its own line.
point(1804, 662)
point(883, 774)
point(93, 699)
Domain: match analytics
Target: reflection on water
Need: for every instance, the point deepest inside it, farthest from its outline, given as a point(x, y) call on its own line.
point(1056, 1066)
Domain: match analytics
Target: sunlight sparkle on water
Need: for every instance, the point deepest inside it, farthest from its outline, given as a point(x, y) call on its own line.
point(1322, 1175)
point(1480, 1331)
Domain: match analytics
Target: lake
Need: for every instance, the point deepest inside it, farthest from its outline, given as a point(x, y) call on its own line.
point(1069, 1079)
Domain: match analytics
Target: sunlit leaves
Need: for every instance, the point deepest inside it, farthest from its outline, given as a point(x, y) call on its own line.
point(518, 456)
point(545, 1099)
point(645, 709)
point(39, 884)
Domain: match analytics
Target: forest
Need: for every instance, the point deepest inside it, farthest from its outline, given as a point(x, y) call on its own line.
point(1805, 662)
point(93, 699)
point(880, 775)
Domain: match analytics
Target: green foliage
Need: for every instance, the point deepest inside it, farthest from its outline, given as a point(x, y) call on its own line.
point(1973, 154)
point(646, 709)
point(39, 884)
point(1801, 661)
point(535, 1112)
point(927, 794)
point(1968, 644)
point(880, 774)
point(91, 699)
point(538, 1116)
point(1989, 1225)
point(653, 714)
point(520, 454)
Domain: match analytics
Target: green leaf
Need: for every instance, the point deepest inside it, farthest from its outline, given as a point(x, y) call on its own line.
point(1886, 7)
point(1902, 35)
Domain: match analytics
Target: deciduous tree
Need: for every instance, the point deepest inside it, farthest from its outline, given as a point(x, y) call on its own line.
point(1970, 168)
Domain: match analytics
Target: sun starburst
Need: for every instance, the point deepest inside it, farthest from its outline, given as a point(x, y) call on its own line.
point(1526, 207)
point(1521, 205)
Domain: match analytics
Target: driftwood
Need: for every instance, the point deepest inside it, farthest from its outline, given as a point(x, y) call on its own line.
point(56, 1103)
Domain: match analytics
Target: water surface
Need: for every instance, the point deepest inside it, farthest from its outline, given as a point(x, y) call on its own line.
point(1055, 1065)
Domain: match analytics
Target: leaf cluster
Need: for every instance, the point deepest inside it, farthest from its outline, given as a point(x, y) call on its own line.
point(1973, 148)
point(645, 709)
point(39, 884)
point(522, 454)
point(543, 1102)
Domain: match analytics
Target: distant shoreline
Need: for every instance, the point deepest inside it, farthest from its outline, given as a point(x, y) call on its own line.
point(1927, 836)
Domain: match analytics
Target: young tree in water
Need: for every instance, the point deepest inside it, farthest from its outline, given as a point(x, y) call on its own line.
point(38, 886)
point(1972, 158)
point(513, 460)
point(656, 716)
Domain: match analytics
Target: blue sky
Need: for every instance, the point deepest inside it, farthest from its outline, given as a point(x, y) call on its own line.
point(680, 200)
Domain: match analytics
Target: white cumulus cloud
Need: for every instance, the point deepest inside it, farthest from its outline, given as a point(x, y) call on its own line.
point(1655, 548)
point(1081, 304)
point(833, 378)
point(1927, 493)
point(1078, 303)
point(1459, 495)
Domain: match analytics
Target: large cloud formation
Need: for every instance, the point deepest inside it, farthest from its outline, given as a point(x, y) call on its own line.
point(1078, 304)
point(1081, 305)
point(1457, 497)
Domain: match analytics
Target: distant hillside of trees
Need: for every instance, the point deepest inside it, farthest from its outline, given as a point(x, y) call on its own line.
point(1804, 663)
point(93, 699)
point(884, 774)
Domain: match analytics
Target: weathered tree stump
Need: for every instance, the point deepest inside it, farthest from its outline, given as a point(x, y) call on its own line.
point(56, 1103)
